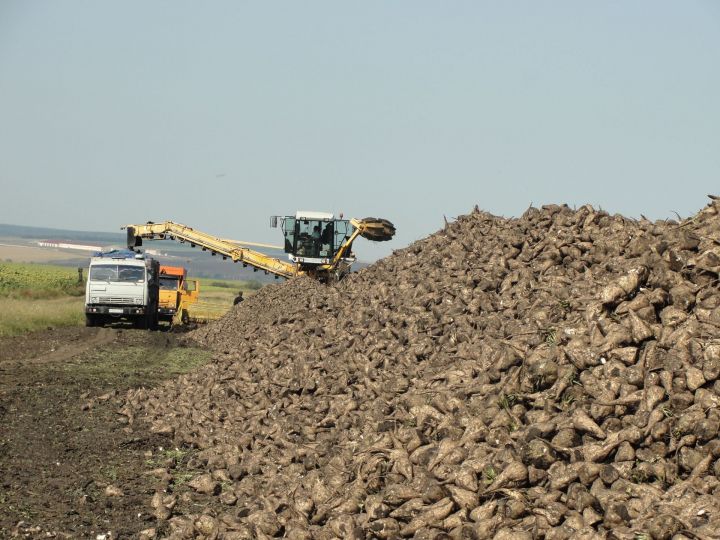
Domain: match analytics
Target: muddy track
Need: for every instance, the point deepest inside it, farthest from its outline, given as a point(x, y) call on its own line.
point(69, 468)
point(89, 339)
point(55, 344)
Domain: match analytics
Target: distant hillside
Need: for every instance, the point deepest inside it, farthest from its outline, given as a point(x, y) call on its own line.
point(43, 233)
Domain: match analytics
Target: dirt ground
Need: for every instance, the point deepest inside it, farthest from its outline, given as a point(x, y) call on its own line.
point(68, 467)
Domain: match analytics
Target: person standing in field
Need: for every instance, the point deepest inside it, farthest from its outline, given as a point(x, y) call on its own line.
point(239, 298)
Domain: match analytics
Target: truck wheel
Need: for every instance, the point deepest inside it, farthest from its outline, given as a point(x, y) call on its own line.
point(90, 320)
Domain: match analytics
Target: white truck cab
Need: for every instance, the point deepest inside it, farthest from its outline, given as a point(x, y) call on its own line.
point(122, 285)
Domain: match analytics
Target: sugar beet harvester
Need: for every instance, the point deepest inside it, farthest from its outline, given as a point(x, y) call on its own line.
point(317, 244)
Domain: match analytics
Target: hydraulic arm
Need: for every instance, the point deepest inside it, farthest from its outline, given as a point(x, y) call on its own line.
point(377, 230)
point(334, 253)
point(229, 250)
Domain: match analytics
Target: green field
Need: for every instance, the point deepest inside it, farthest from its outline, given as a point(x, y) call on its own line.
point(40, 281)
point(34, 297)
point(37, 296)
point(217, 296)
point(20, 315)
point(224, 290)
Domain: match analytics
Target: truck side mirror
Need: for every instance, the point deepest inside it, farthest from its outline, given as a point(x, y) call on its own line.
point(273, 222)
point(191, 285)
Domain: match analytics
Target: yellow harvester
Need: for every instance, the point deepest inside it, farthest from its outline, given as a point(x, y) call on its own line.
point(317, 244)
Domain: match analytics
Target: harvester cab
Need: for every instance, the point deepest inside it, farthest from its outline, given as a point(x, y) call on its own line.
point(318, 241)
point(313, 238)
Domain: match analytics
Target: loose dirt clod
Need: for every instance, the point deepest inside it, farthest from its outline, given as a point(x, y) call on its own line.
point(113, 491)
point(552, 375)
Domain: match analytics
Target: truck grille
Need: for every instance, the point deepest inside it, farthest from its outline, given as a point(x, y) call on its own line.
point(115, 300)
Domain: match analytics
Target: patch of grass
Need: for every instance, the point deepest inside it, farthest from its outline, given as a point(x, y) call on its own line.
point(217, 296)
point(221, 284)
point(24, 280)
point(567, 400)
point(176, 453)
point(549, 335)
point(223, 297)
point(227, 285)
point(19, 316)
point(639, 477)
point(251, 285)
point(137, 365)
point(111, 473)
point(226, 486)
point(37, 296)
point(489, 475)
point(182, 478)
point(26, 511)
point(505, 401)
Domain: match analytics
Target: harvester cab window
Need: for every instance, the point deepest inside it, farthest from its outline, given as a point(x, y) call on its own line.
point(326, 237)
point(169, 284)
point(304, 240)
point(326, 240)
point(314, 238)
point(343, 230)
point(288, 228)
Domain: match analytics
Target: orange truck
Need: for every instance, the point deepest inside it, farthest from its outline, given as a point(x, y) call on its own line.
point(177, 293)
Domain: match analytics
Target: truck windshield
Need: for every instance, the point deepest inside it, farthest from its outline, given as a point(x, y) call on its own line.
point(169, 284)
point(117, 273)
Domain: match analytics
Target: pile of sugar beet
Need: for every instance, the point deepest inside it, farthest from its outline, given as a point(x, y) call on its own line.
point(549, 376)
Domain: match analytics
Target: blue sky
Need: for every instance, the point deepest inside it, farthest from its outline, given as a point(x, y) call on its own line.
point(220, 114)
